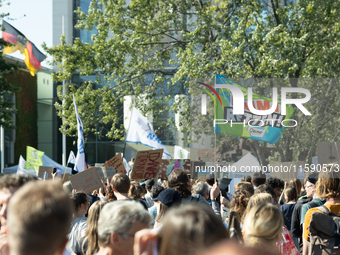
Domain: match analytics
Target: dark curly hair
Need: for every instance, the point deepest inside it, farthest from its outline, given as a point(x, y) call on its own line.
point(239, 202)
point(110, 195)
point(179, 180)
point(275, 182)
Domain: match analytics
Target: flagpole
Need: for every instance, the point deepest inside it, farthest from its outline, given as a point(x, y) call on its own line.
point(63, 135)
point(127, 131)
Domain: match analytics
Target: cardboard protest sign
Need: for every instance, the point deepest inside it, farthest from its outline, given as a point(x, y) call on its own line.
point(196, 169)
point(106, 172)
point(286, 170)
point(45, 172)
point(65, 177)
point(328, 152)
point(117, 163)
point(147, 164)
point(86, 181)
point(163, 168)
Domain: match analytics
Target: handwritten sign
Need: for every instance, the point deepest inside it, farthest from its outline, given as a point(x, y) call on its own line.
point(86, 181)
point(106, 172)
point(147, 164)
point(117, 163)
point(45, 172)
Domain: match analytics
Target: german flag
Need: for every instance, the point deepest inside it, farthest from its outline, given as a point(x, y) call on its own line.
point(33, 57)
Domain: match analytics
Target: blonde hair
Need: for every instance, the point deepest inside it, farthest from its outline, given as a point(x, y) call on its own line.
point(263, 225)
point(256, 199)
point(328, 184)
point(296, 183)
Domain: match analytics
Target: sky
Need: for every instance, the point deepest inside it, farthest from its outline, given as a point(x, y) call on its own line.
point(33, 18)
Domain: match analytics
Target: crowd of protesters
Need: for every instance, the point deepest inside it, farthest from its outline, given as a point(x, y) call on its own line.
point(179, 216)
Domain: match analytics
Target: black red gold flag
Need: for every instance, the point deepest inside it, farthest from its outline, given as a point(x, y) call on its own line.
point(33, 57)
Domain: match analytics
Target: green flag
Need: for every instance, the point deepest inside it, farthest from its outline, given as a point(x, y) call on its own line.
point(33, 158)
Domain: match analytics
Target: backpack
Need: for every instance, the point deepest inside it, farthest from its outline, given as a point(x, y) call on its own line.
point(324, 233)
point(234, 227)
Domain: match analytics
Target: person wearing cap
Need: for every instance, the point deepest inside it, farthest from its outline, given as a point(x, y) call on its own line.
point(311, 192)
point(166, 199)
point(148, 185)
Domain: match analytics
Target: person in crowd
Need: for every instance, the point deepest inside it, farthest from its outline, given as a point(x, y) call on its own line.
point(202, 189)
point(223, 183)
point(136, 192)
point(118, 222)
point(89, 243)
point(277, 185)
point(9, 184)
point(166, 199)
point(78, 226)
point(247, 186)
point(296, 183)
point(109, 194)
point(265, 188)
point(246, 178)
point(257, 199)
point(120, 185)
point(262, 227)
point(327, 187)
point(210, 180)
point(296, 227)
point(155, 191)
point(186, 230)
point(39, 218)
point(257, 179)
point(287, 209)
point(148, 185)
point(239, 202)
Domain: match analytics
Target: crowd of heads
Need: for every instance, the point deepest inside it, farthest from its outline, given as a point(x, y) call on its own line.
point(181, 216)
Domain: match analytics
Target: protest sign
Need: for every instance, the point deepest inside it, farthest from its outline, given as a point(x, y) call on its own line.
point(117, 163)
point(106, 172)
point(286, 170)
point(45, 172)
point(147, 164)
point(86, 181)
point(328, 152)
point(196, 169)
point(163, 168)
point(176, 163)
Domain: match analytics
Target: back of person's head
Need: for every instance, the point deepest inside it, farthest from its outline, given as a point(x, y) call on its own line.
point(263, 225)
point(179, 181)
point(201, 188)
point(264, 188)
point(246, 178)
point(258, 178)
point(109, 194)
point(290, 194)
point(136, 191)
point(210, 179)
point(155, 190)
point(121, 183)
point(257, 199)
point(15, 181)
point(91, 228)
point(297, 184)
point(39, 219)
point(119, 217)
point(275, 182)
point(189, 230)
point(239, 202)
point(167, 198)
point(67, 186)
point(78, 199)
point(149, 184)
point(246, 186)
point(328, 184)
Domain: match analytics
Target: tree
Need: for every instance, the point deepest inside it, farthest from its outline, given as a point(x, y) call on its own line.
point(157, 49)
point(7, 89)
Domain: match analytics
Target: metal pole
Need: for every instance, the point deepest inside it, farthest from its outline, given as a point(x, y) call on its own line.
point(64, 136)
point(2, 148)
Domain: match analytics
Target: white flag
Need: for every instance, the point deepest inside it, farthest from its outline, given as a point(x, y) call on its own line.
point(141, 131)
point(21, 168)
point(80, 159)
point(71, 158)
point(180, 153)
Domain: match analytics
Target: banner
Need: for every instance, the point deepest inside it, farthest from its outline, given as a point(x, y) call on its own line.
point(106, 172)
point(117, 163)
point(33, 158)
point(267, 128)
point(147, 164)
point(180, 153)
point(21, 168)
point(80, 159)
point(141, 131)
point(45, 172)
point(86, 181)
point(71, 160)
point(33, 56)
